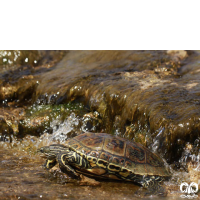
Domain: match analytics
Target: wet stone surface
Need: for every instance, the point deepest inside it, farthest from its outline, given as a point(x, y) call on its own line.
point(151, 97)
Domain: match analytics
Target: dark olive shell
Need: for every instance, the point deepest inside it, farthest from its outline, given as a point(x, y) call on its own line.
point(121, 153)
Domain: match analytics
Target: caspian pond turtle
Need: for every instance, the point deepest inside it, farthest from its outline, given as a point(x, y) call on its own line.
point(102, 155)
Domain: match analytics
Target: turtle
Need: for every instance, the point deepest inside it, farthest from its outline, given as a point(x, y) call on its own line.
point(102, 155)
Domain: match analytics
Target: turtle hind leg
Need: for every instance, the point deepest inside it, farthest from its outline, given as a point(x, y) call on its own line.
point(151, 186)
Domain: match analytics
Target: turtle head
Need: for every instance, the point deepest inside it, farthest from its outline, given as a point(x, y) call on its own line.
point(44, 150)
point(52, 150)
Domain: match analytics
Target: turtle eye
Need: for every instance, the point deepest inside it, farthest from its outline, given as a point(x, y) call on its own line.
point(41, 150)
point(44, 150)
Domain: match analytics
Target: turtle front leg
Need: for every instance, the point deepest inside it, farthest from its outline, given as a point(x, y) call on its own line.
point(64, 165)
point(50, 162)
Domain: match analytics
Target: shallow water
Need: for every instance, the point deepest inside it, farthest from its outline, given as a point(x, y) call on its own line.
point(23, 177)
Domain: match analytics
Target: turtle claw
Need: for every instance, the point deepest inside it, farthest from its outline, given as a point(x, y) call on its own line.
point(153, 191)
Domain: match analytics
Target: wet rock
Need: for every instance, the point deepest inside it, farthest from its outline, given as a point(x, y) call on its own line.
point(35, 126)
point(16, 57)
point(151, 90)
point(5, 131)
point(62, 178)
point(138, 133)
point(9, 120)
point(117, 129)
point(85, 181)
point(177, 54)
point(19, 71)
point(148, 95)
point(51, 118)
point(91, 122)
point(32, 58)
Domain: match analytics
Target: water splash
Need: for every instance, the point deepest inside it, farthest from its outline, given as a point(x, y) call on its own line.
point(62, 131)
point(156, 141)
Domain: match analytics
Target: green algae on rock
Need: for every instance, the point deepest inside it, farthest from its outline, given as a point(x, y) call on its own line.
point(38, 118)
